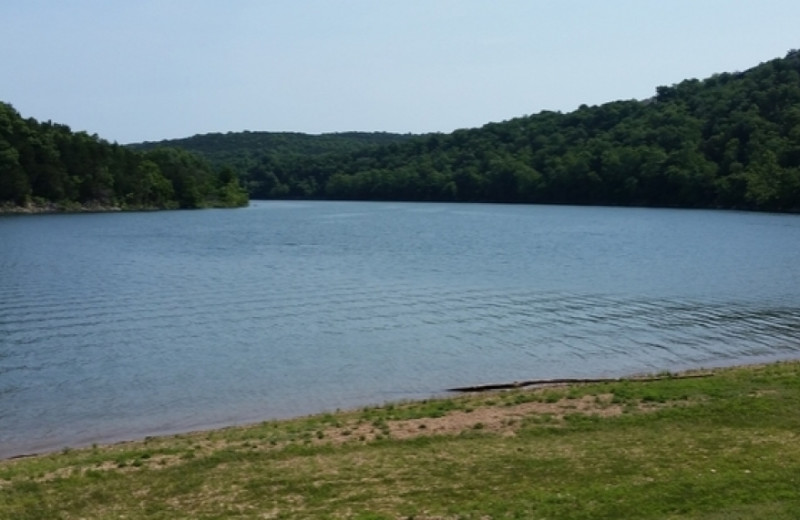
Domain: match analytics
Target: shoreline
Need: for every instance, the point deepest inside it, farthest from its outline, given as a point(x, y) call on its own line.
point(715, 447)
point(451, 394)
point(52, 208)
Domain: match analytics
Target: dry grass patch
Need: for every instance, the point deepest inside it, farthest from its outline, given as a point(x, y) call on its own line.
point(499, 415)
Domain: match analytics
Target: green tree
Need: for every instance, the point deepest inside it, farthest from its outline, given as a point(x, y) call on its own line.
point(154, 190)
point(231, 193)
point(14, 184)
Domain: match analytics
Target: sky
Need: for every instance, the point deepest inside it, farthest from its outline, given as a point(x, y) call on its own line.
point(148, 70)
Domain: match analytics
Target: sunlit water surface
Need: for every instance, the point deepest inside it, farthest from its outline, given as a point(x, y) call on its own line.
point(117, 326)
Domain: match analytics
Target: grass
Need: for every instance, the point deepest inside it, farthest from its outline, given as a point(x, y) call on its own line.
point(726, 446)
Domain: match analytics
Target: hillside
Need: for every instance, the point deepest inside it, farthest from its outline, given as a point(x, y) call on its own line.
point(225, 148)
point(254, 154)
point(46, 166)
point(729, 141)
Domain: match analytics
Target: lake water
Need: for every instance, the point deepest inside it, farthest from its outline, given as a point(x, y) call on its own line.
point(118, 326)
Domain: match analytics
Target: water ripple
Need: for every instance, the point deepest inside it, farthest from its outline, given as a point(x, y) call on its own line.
point(169, 327)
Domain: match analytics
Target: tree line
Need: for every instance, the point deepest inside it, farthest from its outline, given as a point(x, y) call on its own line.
point(48, 165)
point(257, 156)
point(729, 141)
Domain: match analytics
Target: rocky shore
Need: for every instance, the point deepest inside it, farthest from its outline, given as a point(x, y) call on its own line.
point(51, 207)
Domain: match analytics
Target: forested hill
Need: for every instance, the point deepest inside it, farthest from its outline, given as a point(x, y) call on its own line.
point(252, 152)
point(729, 141)
point(47, 166)
point(234, 146)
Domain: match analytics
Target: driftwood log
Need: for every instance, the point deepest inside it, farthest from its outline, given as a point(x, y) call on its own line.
point(567, 381)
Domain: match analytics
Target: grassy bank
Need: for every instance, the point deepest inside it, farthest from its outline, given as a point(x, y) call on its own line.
point(720, 447)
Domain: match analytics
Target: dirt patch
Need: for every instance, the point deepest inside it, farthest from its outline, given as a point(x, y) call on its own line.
point(502, 419)
point(497, 418)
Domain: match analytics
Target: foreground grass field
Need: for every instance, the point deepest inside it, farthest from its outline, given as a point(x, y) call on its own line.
point(726, 446)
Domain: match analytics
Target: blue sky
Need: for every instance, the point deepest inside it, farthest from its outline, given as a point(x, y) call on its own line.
point(156, 69)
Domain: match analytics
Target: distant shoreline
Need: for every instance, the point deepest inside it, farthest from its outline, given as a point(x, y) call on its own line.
point(53, 208)
point(66, 209)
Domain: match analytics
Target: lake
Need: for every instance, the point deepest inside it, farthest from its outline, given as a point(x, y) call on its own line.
point(122, 325)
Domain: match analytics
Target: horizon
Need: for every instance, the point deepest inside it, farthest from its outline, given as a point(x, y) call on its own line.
point(158, 71)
